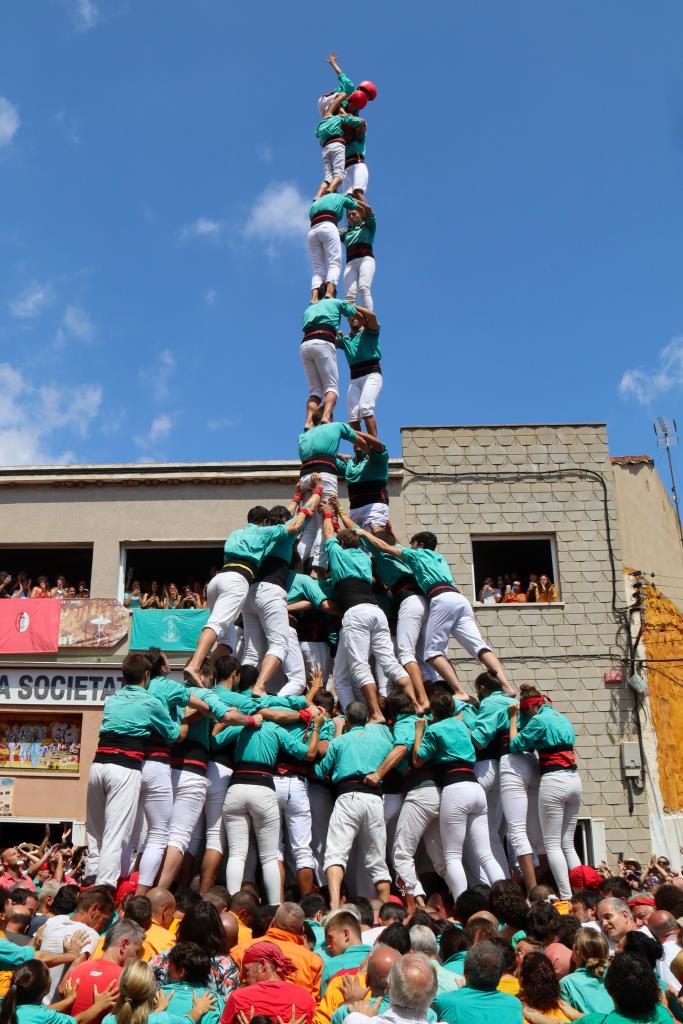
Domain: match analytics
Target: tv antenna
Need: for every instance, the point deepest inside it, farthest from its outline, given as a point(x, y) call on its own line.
point(666, 433)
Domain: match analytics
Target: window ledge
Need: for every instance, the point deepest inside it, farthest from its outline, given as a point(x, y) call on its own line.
point(523, 606)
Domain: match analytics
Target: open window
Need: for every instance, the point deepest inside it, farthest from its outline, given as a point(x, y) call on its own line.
point(515, 570)
point(187, 566)
point(73, 564)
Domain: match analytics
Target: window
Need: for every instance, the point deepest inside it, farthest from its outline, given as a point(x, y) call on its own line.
point(515, 570)
point(186, 566)
point(73, 563)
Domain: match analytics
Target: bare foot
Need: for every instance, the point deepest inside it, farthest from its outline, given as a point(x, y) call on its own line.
point(190, 676)
point(377, 719)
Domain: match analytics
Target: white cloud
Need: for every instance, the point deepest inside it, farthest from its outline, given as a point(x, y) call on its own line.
point(76, 322)
point(280, 213)
point(158, 377)
point(85, 14)
point(203, 227)
point(9, 121)
point(221, 423)
point(159, 430)
point(210, 296)
point(31, 302)
point(265, 153)
point(30, 415)
point(647, 385)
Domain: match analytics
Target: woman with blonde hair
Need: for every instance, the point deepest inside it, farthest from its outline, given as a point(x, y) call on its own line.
point(584, 988)
point(140, 1003)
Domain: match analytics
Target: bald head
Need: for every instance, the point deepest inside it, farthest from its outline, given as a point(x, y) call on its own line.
point(163, 906)
point(231, 926)
point(380, 962)
point(290, 917)
point(663, 925)
point(412, 983)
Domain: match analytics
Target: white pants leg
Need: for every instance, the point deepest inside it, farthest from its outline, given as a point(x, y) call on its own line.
point(559, 800)
point(343, 682)
point(293, 668)
point(356, 177)
point(113, 793)
point(419, 818)
point(310, 544)
point(156, 800)
point(219, 779)
point(518, 793)
point(316, 655)
point(366, 630)
point(270, 601)
point(450, 614)
point(245, 804)
point(189, 795)
point(225, 595)
point(412, 618)
point(321, 802)
point(295, 814)
point(374, 514)
point(333, 160)
point(487, 777)
point(358, 277)
point(320, 366)
point(463, 814)
point(358, 816)
point(325, 249)
point(362, 396)
point(255, 643)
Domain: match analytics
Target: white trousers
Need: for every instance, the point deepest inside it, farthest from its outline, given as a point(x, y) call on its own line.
point(559, 800)
point(317, 658)
point(410, 627)
point(419, 818)
point(362, 396)
point(356, 177)
point(295, 815)
point(113, 793)
point(156, 807)
point(257, 806)
point(463, 815)
point(374, 514)
point(518, 781)
point(333, 160)
point(366, 631)
point(358, 277)
point(210, 824)
point(358, 816)
point(450, 614)
point(321, 801)
point(225, 596)
point(310, 543)
point(266, 623)
point(189, 795)
point(320, 366)
point(392, 808)
point(346, 688)
point(325, 250)
point(487, 777)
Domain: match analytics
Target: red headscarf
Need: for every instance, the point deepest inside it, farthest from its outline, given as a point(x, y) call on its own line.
point(585, 877)
point(641, 901)
point(272, 954)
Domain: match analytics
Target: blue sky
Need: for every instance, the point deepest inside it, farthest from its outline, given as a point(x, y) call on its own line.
point(156, 160)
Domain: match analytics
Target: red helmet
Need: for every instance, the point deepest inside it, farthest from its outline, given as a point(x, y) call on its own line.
point(357, 100)
point(370, 89)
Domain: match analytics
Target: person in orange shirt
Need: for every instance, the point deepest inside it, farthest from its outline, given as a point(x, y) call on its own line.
point(243, 905)
point(158, 936)
point(287, 932)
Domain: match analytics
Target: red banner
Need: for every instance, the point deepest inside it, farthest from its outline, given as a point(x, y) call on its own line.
point(29, 626)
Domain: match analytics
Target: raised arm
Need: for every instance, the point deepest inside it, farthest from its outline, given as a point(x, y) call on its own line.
point(370, 441)
point(332, 61)
point(420, 727)
point(328, 521)
point(295, 524)
point(381, 545)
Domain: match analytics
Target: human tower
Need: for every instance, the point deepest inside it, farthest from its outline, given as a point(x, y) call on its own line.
point(300, 732)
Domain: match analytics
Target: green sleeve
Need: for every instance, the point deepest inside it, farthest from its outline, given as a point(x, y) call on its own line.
point(325, 767)
point(485, 726)
point(348, 432)
point(347, 308)
point(12, 956)
point(211, 699)
point(352, 121)
point(345, 84)
point(225, 737)
point(427, 746)
point(350, 203)
point(294, 746)
point(161, 721)
point(528, 738)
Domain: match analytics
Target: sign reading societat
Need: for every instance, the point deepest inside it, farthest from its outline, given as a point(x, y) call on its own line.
point(66, 687)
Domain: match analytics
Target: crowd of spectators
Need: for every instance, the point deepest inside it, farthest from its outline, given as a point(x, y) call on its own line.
point(509, 589)
point(610, 955)
point(21, 585)
point(155, 594)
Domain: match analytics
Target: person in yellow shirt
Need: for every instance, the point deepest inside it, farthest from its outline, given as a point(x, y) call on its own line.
point(508, 982)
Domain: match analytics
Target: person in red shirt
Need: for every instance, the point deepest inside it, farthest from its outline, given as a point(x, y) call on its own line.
point(123, 942)
point(264, 989)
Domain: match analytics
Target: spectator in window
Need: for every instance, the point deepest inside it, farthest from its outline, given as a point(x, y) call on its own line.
point(133, 598)
point(153, 598)
point(189, 598)
point(71, 594)
point(532, 587)
point(490, 593)
point(172, 598)
point(546, 589)
point(42, 588)
point(24, 586)
point(84, 594)
point(6, 584)
point(514, 593)
point(59, 589)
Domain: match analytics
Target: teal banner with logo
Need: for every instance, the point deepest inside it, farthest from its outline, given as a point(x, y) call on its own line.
point(176, 629)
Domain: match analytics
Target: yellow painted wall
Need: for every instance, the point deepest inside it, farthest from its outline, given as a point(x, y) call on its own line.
point(663, 641)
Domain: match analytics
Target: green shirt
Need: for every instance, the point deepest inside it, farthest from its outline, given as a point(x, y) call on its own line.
point(181, 993)
point(355, 753)
point(361, 347)
point(363, 234)
point(333, 202)
point(260, 745)
point(173, 695)
point(330, 127)
point(132, 711)
point(492, 719)
point(284, 546)
point(347, 962)
point(404, 736)
point(468, 712)
point(304, 588)
point(252, 542)
point(200, 727)
point(547, 728)
point(11, 955)
point(373, 466)
point(36, 1013)
point(456, 963)
point(324, 439)
point(585, 992)
point(660, 1015)
point(389, 569)
point(473, 1006)
point(327, 313)
point(347, 563)
point(445, 741)
point(429, 567)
